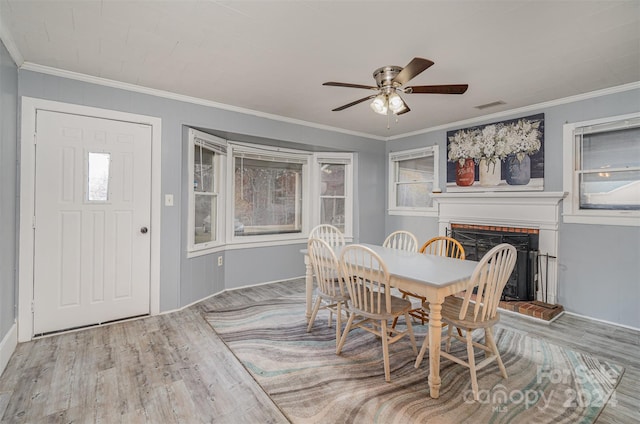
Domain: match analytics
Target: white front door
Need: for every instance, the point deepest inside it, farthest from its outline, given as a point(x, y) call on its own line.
point(92, 220)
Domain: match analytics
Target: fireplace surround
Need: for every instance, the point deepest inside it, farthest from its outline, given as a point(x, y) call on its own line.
point(533, 211)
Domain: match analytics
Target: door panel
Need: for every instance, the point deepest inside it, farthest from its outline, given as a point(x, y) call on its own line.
point(93, 194)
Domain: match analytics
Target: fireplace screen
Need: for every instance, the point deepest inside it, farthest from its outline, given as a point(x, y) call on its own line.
point(477, 242)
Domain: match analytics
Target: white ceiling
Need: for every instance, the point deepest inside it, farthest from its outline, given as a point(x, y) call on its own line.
point(273, 56)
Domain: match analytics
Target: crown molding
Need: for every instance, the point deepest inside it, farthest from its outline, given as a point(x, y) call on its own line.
point(202, 102)
point(29, 66)
point(526, 109)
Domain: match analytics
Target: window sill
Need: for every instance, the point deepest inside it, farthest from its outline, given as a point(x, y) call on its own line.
point(414, 212)
point(207, 251)
point(630, 219)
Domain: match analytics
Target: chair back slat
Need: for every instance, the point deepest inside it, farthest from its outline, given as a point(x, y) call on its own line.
point(402, 240)
point(332, 235)
point(325, 268)
point(367, 280)
point(489, 277)
point(443, 246)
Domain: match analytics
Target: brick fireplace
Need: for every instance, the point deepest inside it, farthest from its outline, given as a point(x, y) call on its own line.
point(513, 212)
point(477, 240)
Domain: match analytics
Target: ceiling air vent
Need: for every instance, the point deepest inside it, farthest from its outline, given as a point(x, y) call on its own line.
point(492, 104)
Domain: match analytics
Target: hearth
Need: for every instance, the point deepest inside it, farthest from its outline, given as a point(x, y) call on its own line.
point(479, 239)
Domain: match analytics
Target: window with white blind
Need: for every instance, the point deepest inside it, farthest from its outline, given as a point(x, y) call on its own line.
point(206, 182)
point(413, 175)
point(602, 171)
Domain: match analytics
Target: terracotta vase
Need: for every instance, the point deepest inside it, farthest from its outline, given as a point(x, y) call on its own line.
point(489, 172)
point(465, 173)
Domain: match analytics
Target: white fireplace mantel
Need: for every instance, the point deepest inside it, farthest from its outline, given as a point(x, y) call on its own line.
point(536, 210)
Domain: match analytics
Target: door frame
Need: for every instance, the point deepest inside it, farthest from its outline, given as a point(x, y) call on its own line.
point(27, 200)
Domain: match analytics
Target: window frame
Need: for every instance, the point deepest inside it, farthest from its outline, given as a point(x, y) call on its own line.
point(218, 146)
point(334, 158)
point(394, 159)
point(572, 213)
point(267, 152)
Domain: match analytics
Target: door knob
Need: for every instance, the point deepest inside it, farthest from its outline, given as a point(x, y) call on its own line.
point(144, 230)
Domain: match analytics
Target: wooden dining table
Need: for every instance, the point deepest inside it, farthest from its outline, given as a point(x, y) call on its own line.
point(431, 276)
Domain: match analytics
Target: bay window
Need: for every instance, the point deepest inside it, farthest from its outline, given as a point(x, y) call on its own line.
point(268, 191)
point(335, 187)
point(206, 154)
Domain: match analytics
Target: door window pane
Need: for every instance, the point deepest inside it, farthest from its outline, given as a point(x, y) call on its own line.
point(98, 177)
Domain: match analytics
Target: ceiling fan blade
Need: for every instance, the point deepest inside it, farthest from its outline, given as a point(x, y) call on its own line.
point(415, 67)
point(364, 99)
point(438, 89)
point(405, 110)
point(345, 84)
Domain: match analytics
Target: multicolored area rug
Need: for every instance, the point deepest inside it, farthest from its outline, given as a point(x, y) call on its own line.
point(311, 384)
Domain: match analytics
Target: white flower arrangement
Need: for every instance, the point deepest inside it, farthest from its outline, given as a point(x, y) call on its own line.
point(495, 142)
point(463, 146)
point(523, 138)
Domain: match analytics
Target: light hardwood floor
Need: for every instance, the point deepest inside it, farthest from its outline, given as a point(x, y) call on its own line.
point(173, 368)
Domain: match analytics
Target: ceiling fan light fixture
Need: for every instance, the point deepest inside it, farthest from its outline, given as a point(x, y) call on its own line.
point(395, 103)
point(380, 104)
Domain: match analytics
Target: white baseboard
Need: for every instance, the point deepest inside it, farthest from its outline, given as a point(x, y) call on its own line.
point(8, 346)
point(227, 290)
point(602, 321)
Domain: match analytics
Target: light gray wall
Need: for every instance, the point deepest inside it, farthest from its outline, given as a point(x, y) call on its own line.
point(588, 254)
point(8, 199)
point(599, 266)
point(186, 280)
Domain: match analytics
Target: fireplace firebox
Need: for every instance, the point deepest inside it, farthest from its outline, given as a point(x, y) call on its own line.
point(479, 239)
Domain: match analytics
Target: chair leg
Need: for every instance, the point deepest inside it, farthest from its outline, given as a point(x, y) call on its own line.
point(492, 343)
point(423, 350)
point(316, 307)
point(385, 349)
point(347, 328)
point(338, 322)
point(472, 365)
point(410, 331)
point(449, 330)
point(395, 321)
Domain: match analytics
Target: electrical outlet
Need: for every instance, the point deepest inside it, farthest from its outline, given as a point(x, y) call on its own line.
point(219, 260)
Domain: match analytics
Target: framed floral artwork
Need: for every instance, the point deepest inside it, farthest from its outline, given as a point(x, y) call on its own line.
point(501, 156)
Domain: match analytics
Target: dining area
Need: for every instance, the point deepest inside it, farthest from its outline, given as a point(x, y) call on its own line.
point(386, 289)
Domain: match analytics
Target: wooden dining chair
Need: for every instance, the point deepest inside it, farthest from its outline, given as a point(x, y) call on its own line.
point(402, 240)
point(440, 246)
point(443, 246)
point(331, 293)
point(371, 304)
point(332, 235)
point(489, 278)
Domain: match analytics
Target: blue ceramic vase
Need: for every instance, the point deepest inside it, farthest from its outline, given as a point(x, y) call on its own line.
point(518, 171)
